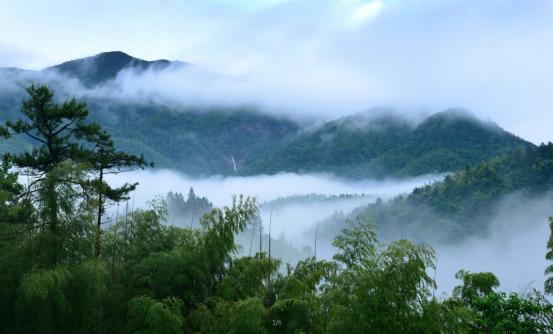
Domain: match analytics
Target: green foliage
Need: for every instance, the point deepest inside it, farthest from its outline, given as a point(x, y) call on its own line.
point(475, 285)
point(86, 292)
point(459, 205)
point(247, 277)
point(152, 277)
point(56, 127)
point(148, 315)
point(502, 313)
point(247, 317)
point(302, 303)
point(497, 312)
point(63, 299)
point(357, 244)
point(361, 146)
point(548, 285)
point(159, 261)
point(42, 304)
point(59, 162)
point(384, 290)
point(10, 195)
point(204, 141)
point(104, 160)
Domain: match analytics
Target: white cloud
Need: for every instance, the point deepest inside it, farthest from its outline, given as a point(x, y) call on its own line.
point(264, 187)
point(322, 58)
point(365, 12)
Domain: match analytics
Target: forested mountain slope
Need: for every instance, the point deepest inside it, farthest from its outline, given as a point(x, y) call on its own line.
point(237, 140)
point(463, 203)
point(392, 146)
point(67, 267)
point(197, 142)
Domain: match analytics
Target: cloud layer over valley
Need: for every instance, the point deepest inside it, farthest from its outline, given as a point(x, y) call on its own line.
point(265, 188)
point(511, 245)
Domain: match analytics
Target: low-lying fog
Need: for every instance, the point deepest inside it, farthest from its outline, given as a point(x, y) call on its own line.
point(265, 188)
point(513, 247)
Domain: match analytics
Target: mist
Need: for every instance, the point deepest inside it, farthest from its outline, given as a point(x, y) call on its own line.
point(311, 58)
point(321, 60)
point(513, 246)
point(292, 204)
point(290, 140)
point(219, 190)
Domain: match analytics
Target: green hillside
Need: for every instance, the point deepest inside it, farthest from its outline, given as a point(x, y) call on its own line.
point(69, 267)
point(462, 203)
point(236, 140)
point(390, 146)
point(197, 142)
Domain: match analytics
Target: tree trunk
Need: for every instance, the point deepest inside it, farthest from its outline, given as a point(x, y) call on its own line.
point(51, 214)
point(100, 213)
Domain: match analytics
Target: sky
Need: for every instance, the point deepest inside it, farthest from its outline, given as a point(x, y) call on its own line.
point(322, 58)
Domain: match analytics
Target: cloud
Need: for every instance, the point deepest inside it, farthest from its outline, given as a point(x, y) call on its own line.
point(12, 56)
point(365, 12)
point(290, 218)
point(513, 247)
point(264, 187)
point(321, 58)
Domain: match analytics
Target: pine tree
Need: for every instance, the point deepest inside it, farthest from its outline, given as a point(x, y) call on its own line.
point(191, 196)
point(105, 159)
point(59, 132)
point(68, 154)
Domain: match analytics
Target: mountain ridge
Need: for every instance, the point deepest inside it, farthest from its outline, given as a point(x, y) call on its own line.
point(203, 141)
point(445, 141)
point(103, 67)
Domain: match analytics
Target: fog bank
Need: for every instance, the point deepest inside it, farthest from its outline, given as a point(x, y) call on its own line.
point(265, 188)
point(513, 247)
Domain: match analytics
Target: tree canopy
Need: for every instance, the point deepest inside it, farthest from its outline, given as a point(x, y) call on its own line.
point(153, 276)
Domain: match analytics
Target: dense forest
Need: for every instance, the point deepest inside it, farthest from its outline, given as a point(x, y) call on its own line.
point(461, 204)
point(241, 140)
point(67, 268)
point(388, 145)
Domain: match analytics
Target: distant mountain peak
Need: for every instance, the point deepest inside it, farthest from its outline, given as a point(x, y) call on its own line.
point(115, 53)
point(103, 67)
point(454, 114)
point(459, 117)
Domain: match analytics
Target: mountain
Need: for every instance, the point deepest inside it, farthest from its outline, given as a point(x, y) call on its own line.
point(103, 67)
point(464, 203)
point(199, 142)
point(218, 140)
point(388, 145)
point(226, 140)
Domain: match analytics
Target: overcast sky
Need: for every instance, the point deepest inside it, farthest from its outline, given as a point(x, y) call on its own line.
point(320, 57)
